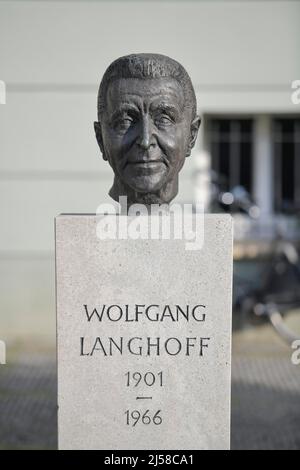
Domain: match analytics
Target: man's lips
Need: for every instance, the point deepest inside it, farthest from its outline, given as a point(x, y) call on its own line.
point(146, 162)
point(146, 167)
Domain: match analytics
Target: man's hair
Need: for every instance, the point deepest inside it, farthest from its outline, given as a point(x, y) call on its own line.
point(147, 66)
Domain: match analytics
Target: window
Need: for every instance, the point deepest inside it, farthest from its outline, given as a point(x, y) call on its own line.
point(286, 136)
point(231, 150)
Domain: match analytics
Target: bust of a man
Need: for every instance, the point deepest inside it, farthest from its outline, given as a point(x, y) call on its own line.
point(147, 126)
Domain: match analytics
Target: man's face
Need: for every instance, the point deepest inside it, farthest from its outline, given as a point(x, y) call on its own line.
point(145, 131)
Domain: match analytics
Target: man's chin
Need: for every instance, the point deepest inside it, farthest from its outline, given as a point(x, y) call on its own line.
point(146, 185)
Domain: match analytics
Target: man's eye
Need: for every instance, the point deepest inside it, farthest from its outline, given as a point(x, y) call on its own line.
point(164, 120)
point(123, 123)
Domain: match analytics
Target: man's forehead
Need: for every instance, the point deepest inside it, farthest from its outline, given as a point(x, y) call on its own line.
point(127, 89)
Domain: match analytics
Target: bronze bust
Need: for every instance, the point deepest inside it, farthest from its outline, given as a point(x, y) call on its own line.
point(147, 126)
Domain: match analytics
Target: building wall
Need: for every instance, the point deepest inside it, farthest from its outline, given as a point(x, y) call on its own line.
point(241, 55)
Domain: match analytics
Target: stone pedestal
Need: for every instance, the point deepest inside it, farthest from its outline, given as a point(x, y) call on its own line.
point(144, 339)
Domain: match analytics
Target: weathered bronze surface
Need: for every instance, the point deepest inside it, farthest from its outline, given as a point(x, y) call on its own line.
point(147, 125)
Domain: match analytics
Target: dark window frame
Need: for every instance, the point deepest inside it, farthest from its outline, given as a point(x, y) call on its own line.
point(234, 137)
point(285, 134)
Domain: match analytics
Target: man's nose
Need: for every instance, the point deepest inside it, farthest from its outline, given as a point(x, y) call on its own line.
point(146, 138)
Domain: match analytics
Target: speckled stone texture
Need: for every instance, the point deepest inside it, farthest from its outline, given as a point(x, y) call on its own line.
point(93, 393)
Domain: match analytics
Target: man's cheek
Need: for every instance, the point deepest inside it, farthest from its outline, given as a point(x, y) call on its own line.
point(176, 149)
point(169, 143)
point(110, 153)
point(112, 145)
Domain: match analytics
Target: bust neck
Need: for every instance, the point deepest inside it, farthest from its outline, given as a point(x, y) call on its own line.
point(163, 196)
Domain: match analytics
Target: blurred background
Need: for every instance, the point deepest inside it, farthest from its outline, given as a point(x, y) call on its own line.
point(242, 57)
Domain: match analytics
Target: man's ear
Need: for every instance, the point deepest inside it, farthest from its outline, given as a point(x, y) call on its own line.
point(98, 132)
point(193, 134)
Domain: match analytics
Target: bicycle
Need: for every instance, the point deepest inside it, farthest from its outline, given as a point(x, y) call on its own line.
point(279, 290)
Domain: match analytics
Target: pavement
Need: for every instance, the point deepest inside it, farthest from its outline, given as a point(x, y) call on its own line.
point(265, 395)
